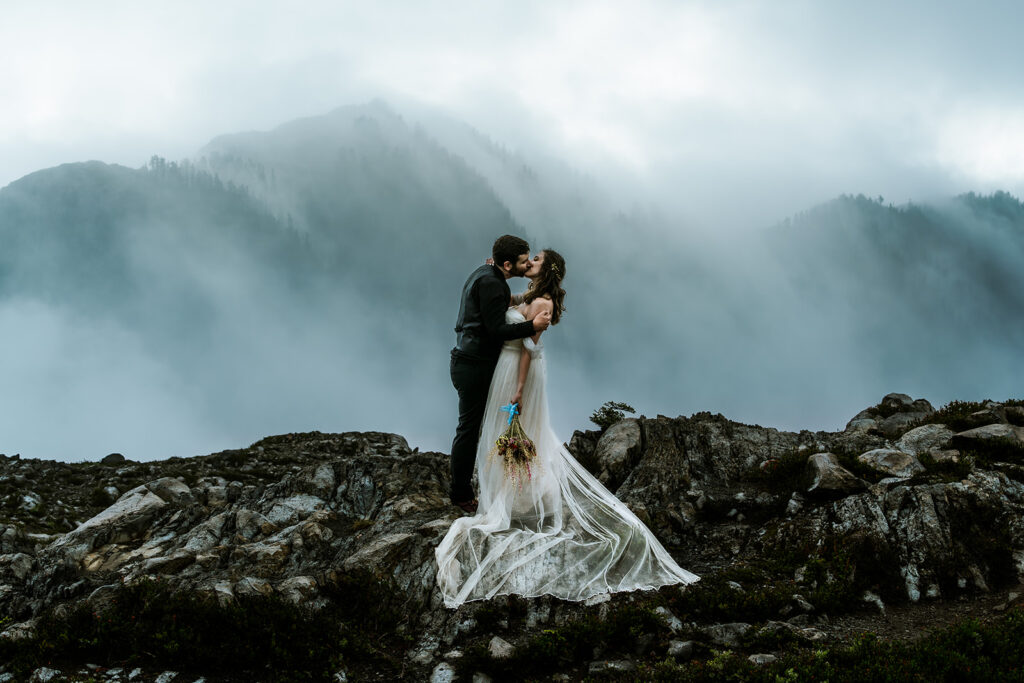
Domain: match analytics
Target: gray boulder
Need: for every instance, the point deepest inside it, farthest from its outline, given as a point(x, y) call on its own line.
point(499, 648)
point(443, 673)
point(895, 425)
point(293, 509)
point(895, 414)
point(15, 566)
point(172, 490)
point(615, 666)
point(973, 438)
point(45, 675)
point(617, 452)
point(726, 635)
point(298, 589)
point(902, 403)
point(892, 462)
point(128, 519)
point(830, 479)
point(897, 402)
point(680, 649)
point(926, 438)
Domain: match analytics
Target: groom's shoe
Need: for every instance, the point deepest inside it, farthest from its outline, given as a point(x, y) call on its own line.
point(468, 506)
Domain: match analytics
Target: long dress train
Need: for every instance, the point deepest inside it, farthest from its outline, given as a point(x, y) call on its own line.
point(559, 532)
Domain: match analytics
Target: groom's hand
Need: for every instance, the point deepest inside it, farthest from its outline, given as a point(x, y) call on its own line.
point(542, 321)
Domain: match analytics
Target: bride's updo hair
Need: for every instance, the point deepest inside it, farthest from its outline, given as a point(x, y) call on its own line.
point(549, 282)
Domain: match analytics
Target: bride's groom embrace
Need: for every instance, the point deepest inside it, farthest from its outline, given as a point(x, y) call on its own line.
point(481, 329)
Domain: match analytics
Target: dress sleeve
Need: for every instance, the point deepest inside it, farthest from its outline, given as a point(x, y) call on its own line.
point(533, 347)
point(493, 304)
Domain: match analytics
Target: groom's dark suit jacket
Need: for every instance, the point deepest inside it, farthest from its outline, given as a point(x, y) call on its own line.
point(481, 327)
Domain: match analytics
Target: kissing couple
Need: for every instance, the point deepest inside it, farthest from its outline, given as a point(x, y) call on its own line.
point(558, 530)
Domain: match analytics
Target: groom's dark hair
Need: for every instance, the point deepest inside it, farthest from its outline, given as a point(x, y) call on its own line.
point(508, 248)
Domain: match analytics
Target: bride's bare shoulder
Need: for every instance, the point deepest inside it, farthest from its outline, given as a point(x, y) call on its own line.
point(539, 304)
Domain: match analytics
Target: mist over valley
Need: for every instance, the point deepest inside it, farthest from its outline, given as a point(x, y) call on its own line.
point(307, 278)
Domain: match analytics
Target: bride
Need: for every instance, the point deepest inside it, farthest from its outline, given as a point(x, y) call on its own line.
point(556, 530)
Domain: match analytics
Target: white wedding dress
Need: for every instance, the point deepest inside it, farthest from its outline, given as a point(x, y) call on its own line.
point(560, 532)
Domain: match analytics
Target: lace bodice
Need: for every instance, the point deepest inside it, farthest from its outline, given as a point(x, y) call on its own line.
point(513, 315)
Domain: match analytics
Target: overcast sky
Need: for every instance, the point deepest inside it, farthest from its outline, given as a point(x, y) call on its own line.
point(732, 113)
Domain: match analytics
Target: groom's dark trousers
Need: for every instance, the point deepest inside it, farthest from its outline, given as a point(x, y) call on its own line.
point(481, 330)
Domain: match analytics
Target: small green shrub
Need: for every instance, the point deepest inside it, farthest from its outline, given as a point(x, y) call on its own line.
point(783, 474)
point(713, 598)
point(955, 415)
point(948, 470)
point(882, 411)
point(98, 498)
point(610, 413)
point(989, 451)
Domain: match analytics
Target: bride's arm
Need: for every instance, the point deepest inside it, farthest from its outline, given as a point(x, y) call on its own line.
point(534, 309)
point(524, 368)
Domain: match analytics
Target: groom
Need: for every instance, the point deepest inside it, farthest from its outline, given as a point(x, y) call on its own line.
point(481, 330)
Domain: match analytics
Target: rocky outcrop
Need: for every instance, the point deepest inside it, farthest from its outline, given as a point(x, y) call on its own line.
point(693, 482)
point(938, 538)
point(371, 503)
point(892, 416)
point(293, 515)
point(696, 468)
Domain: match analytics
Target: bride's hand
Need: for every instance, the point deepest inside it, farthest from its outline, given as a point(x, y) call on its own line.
point(518, 398)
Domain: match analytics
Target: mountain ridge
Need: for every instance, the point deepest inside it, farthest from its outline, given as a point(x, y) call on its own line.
point(350, 260)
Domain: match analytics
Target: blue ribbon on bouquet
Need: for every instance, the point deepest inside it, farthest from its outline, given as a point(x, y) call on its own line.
point(512, 409)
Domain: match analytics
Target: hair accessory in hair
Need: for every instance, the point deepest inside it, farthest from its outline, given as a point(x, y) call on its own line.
point(554, 268)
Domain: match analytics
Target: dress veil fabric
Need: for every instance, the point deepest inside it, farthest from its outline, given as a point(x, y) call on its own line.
point(560, 532)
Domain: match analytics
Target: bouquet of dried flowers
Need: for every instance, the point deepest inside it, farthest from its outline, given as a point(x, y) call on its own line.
point(515, 448)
